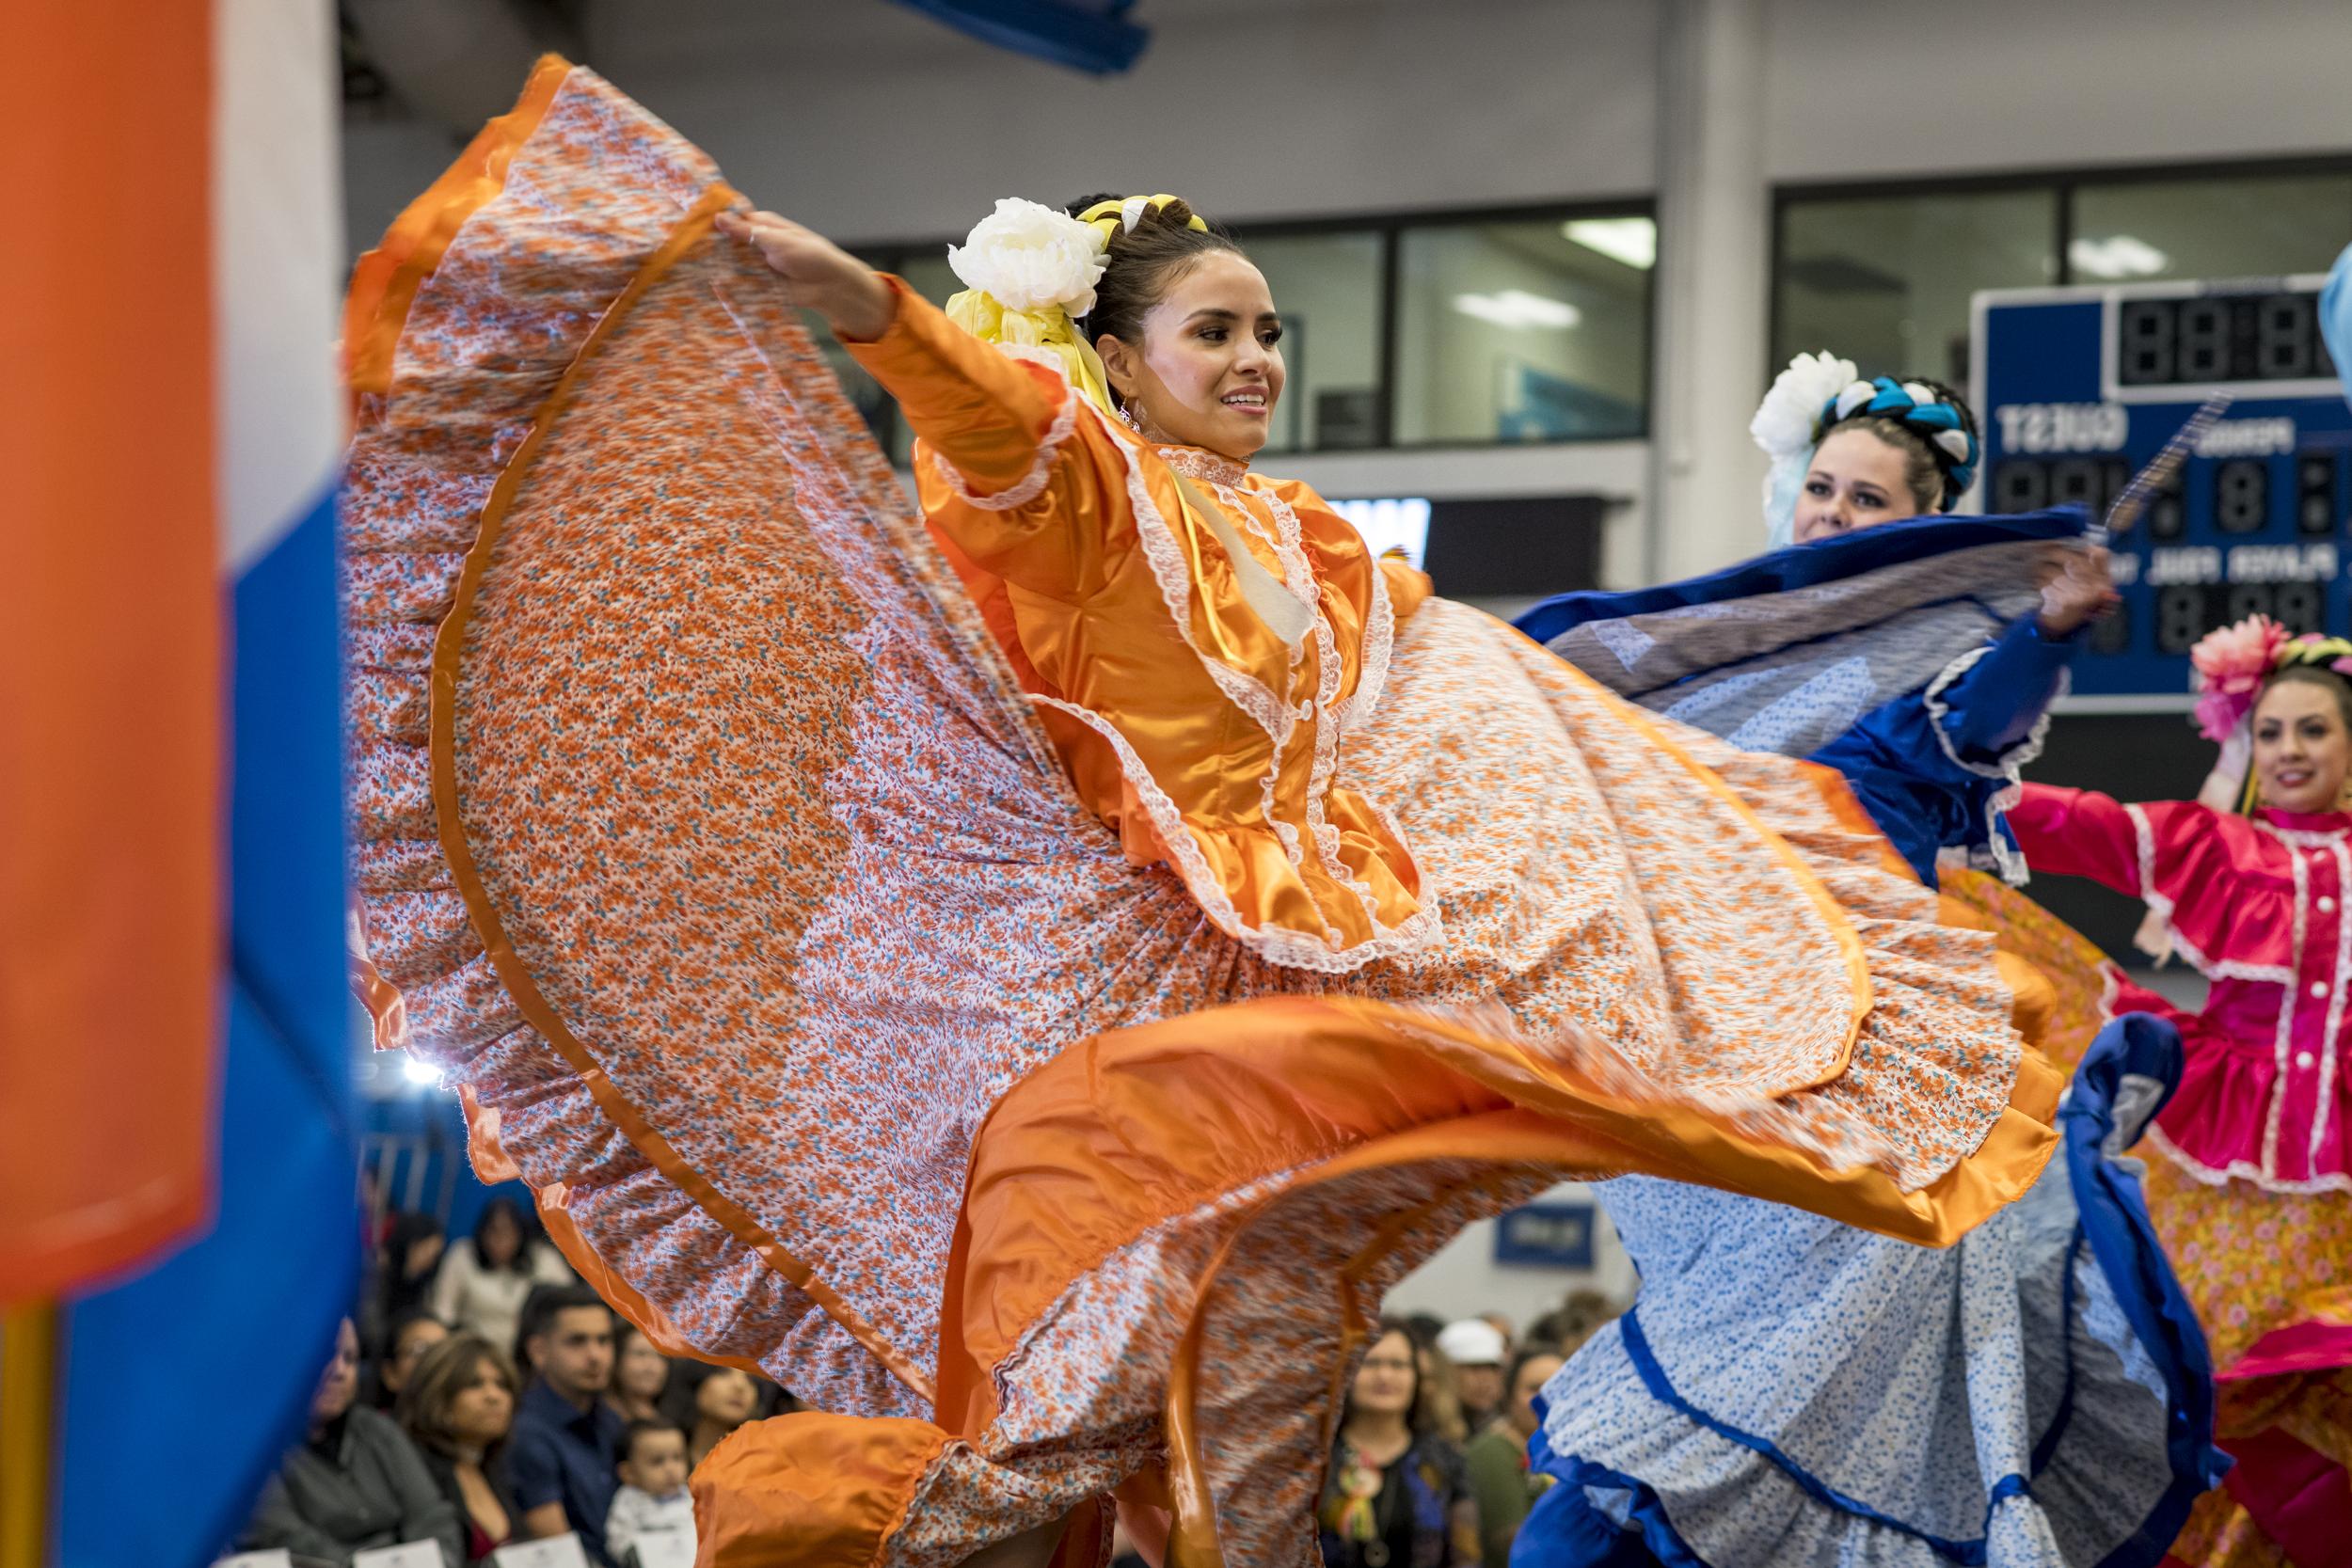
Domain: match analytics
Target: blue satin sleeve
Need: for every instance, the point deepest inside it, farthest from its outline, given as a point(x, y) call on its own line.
point(1930, 764)
point(1991, 707)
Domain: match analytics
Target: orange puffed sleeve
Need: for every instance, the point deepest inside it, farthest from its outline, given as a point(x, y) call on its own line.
point(993, 428)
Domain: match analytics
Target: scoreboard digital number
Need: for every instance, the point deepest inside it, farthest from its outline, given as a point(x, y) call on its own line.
point(2078, 389)
point(2266, 339)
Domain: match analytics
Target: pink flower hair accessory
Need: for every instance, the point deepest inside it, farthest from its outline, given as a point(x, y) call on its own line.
point(2231, 664)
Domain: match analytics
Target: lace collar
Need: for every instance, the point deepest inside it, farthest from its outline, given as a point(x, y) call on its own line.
point(1200, 463)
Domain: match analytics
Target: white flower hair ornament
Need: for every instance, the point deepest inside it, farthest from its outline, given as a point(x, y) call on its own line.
point(1032, 258)
point(1783, 427)
point(1030, 269)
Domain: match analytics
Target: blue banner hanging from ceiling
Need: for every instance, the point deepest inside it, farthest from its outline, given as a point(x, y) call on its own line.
point(1085, 35)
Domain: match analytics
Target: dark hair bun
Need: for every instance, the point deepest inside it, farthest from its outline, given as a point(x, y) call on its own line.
point(1142, 262)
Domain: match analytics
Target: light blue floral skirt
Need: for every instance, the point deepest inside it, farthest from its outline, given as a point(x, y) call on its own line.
point(1789, 1392)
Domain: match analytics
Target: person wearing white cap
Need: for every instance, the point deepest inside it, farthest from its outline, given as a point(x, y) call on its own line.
point(1477, 1350)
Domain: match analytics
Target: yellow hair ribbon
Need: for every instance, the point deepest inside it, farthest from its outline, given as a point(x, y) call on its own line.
point(981, 314)
point(1111, 216)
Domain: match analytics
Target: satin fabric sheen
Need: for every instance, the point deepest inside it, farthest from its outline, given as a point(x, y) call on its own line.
point(1066, 583)
point(710, 840)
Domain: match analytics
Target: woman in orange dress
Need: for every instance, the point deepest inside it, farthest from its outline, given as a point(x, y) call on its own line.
point(1028, 980)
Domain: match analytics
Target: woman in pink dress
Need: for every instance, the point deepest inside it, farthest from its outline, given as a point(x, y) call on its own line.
point(2251, 1189)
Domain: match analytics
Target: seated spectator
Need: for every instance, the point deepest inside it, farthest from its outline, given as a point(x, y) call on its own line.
point(568, 1439)
point(641, 1376)
point(1478, 1354)
point(653, 1499)
point(355, 1482)
point(708, 1402)
point(1394, 1495)
point(1497, 1457)
point(412, 1335)
point(458, 1406)
point(481, 1283)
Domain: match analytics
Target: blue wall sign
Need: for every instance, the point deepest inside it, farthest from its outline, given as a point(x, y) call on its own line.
point(2077, 387)
point(1545, 1235)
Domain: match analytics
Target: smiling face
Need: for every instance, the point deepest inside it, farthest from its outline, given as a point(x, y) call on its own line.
point(1856, 480)
point(2301, 749)
point(1209, 370)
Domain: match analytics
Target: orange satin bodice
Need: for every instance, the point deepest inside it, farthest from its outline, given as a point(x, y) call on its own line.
point(1200, 640)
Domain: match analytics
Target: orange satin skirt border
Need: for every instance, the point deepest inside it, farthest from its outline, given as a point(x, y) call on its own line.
point(1121, 1132)
point(387, 279)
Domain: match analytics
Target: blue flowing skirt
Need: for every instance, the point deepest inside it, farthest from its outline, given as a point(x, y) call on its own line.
point(1790, 1391)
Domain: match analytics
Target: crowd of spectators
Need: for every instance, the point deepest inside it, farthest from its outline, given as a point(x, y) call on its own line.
point(479, 1395)
point(1429, 1465)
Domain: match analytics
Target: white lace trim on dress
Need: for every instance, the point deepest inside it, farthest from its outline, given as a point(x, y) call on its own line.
point(1048, 448)
point(2003, 855)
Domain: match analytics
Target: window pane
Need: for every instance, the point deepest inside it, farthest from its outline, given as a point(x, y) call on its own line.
point(1515, 332)
point(1328, 288)
point(1886, 282)
point(928, 274)
point(2210, 229)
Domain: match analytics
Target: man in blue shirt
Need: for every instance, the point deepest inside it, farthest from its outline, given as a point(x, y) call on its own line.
point(567, 1440)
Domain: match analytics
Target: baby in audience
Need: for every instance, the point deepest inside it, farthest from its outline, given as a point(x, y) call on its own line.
point(653, 1501)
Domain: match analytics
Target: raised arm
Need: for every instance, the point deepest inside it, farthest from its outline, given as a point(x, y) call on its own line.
point(2078, 832)
point(1991, 707)
point(997, 423)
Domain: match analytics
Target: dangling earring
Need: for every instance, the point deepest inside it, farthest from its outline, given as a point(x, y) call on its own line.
point(1127, 412)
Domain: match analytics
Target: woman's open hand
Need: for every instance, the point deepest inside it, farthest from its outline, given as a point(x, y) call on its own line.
point(850, 295)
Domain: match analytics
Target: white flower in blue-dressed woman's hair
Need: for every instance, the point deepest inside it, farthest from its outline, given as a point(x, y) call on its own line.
point(1784, 423)
point(1031, 258)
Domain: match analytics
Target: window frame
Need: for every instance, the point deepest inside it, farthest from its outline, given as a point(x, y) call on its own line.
point(2065, 183)
point(1391, 227)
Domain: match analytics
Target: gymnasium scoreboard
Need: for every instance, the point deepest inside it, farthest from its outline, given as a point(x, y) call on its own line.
point(2078, 387)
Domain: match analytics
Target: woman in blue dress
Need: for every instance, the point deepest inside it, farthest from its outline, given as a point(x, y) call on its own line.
point(1791, 1391)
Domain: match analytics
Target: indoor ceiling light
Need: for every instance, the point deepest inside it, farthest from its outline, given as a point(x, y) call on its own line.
point(1633, 241)
point(1517, 308)
point(2117, 255)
